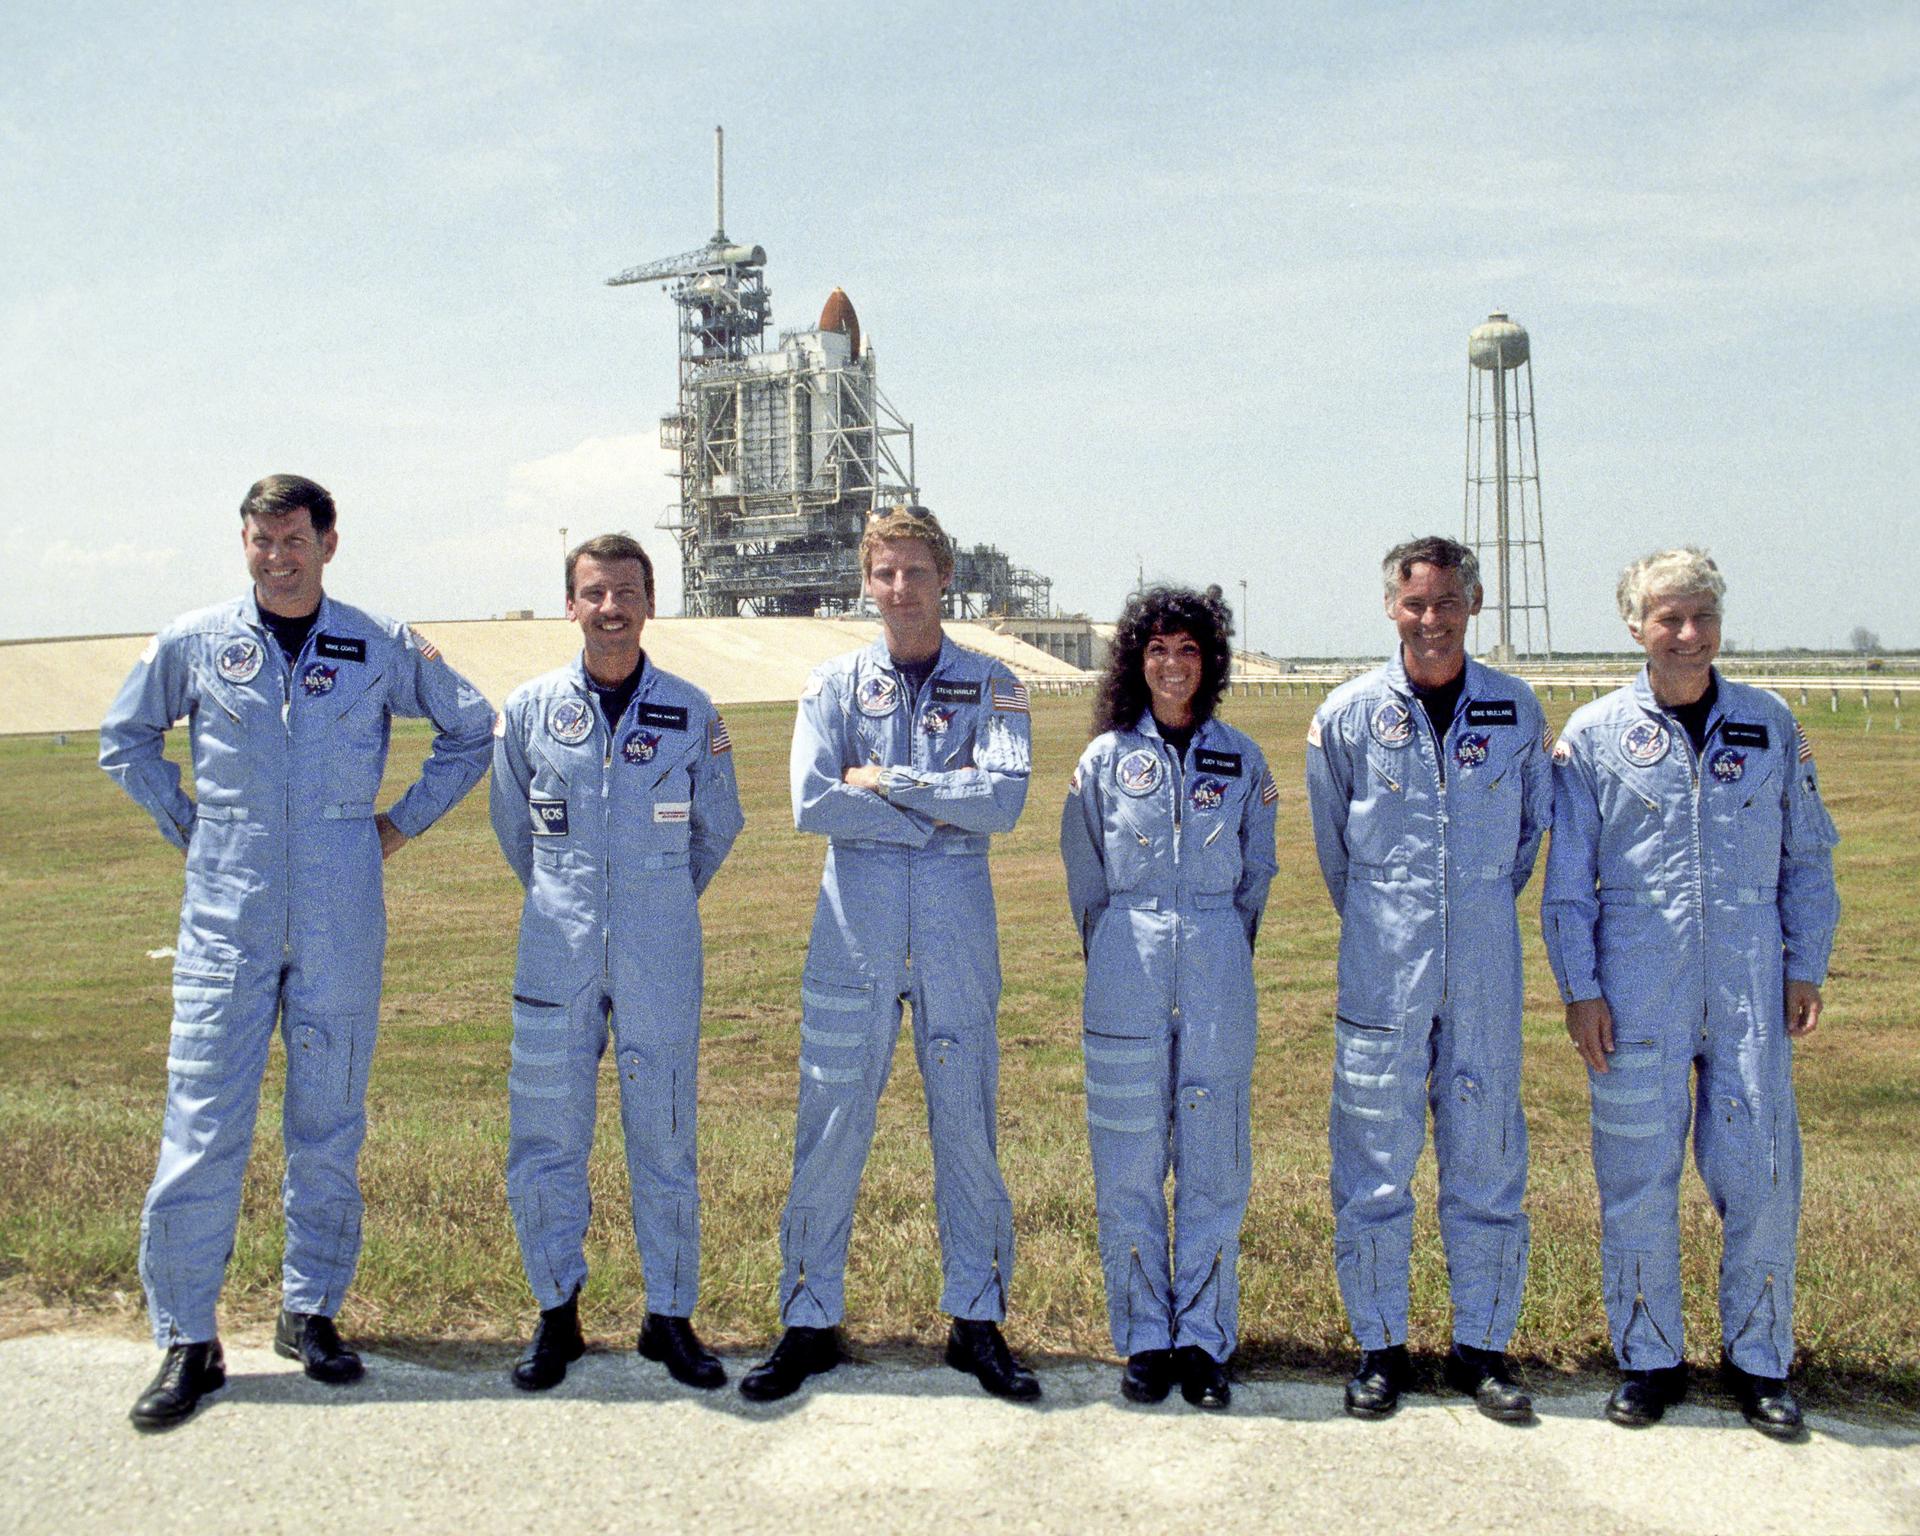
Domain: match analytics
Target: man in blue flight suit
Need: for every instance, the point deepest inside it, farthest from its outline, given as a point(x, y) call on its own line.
point(289, 698)
point(1689, 914)
point(1429, 787)
point(907, 756)
point(614, 801)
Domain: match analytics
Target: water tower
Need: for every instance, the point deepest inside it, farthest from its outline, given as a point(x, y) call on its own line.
point(1503, 523)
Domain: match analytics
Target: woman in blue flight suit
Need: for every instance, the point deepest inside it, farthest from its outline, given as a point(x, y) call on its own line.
point(1167, 837)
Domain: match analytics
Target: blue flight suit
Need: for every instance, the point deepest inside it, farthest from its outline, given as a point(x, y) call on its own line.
point(283, 919)
point(614, 834)
point(1425, 843)
point(1686, 890)
point(905, 915)
point(1168, 862)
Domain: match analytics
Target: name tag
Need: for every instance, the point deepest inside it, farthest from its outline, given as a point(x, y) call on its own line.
point(1736, 734)
point(955, 693)
point(549, 817)
point(340, 648)
point(662, 715)
point(1493, 712)
point(673, 810)
point(1227, 763)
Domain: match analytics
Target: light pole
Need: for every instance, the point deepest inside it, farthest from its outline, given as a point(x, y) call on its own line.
point(1246, 629)
point(563, 565)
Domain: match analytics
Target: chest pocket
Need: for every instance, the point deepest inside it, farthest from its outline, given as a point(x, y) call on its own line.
point(653, 794)
point(1488, 794)
point(1382, 805)
point(1745, 812)
point(1210, 832)
point(1139, 836)
point(1633, 815)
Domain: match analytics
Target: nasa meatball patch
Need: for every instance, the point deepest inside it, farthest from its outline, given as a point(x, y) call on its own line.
point(1470, 750)
point(1728, 765)
point(639, 746)
point(318, 678)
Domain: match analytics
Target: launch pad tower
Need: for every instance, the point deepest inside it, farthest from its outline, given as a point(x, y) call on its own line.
point(785, 454)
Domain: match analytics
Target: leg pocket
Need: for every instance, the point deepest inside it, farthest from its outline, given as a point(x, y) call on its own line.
point(203, 988)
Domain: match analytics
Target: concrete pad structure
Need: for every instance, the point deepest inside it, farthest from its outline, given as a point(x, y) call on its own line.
point(66, 685)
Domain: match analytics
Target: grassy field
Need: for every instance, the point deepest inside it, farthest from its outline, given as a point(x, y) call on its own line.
point(90, 889)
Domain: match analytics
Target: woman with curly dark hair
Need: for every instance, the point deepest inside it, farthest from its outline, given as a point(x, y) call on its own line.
point(1168, 842)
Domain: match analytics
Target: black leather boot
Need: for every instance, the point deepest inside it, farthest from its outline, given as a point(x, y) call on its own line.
point(801, 1352)
point(189, 1373)
point(672, 1341)
point(1374, 1390)
point(1485, 1376)
point(556, 1344)
point(315, 1343)
point(975, 1346)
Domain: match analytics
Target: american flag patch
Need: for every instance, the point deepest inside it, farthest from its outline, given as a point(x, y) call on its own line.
point(1269, 791)
point(1073, 784)
point(1011, 697)
point(718, 740)
point(1313, 732)
point(1546, 739)
point(1806, 746)
point(424, 646)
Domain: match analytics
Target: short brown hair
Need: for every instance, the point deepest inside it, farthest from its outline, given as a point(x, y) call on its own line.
point(279, 495)
point(612, 546)
point(907, 523)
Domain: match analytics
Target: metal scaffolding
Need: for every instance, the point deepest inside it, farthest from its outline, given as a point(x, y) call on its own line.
point(784, 455)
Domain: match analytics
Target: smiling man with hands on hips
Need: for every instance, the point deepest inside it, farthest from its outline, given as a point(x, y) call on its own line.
point(289, 698)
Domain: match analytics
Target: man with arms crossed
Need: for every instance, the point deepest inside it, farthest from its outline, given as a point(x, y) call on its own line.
point(614, 801)
point(907, 756)
point(289, 698)
point(1689, 913)
point(1429, 786)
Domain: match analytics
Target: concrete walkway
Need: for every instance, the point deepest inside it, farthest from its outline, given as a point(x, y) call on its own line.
point(891, 1448)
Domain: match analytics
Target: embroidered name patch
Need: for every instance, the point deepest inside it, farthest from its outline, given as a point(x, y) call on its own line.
point(955, 693)
point(1493, 712)
point(1644, 743)
point(570, 722)
point(1391, 725)
point(239, 661)
point(549, 817)
point(1736, 734)
point(1227, 764)
point(1139, 772)
point(666, 716)
point(340, 647)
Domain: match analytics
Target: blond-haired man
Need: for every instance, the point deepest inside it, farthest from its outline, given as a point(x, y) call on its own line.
point(907, 756)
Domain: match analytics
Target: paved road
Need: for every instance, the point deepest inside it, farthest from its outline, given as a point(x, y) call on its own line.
point(890, 1447)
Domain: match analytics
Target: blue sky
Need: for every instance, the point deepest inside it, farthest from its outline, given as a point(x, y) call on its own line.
point(1185, 288)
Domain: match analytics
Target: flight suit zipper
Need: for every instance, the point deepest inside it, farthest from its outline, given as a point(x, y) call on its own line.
point(1177, 781)
point(1440, 812)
